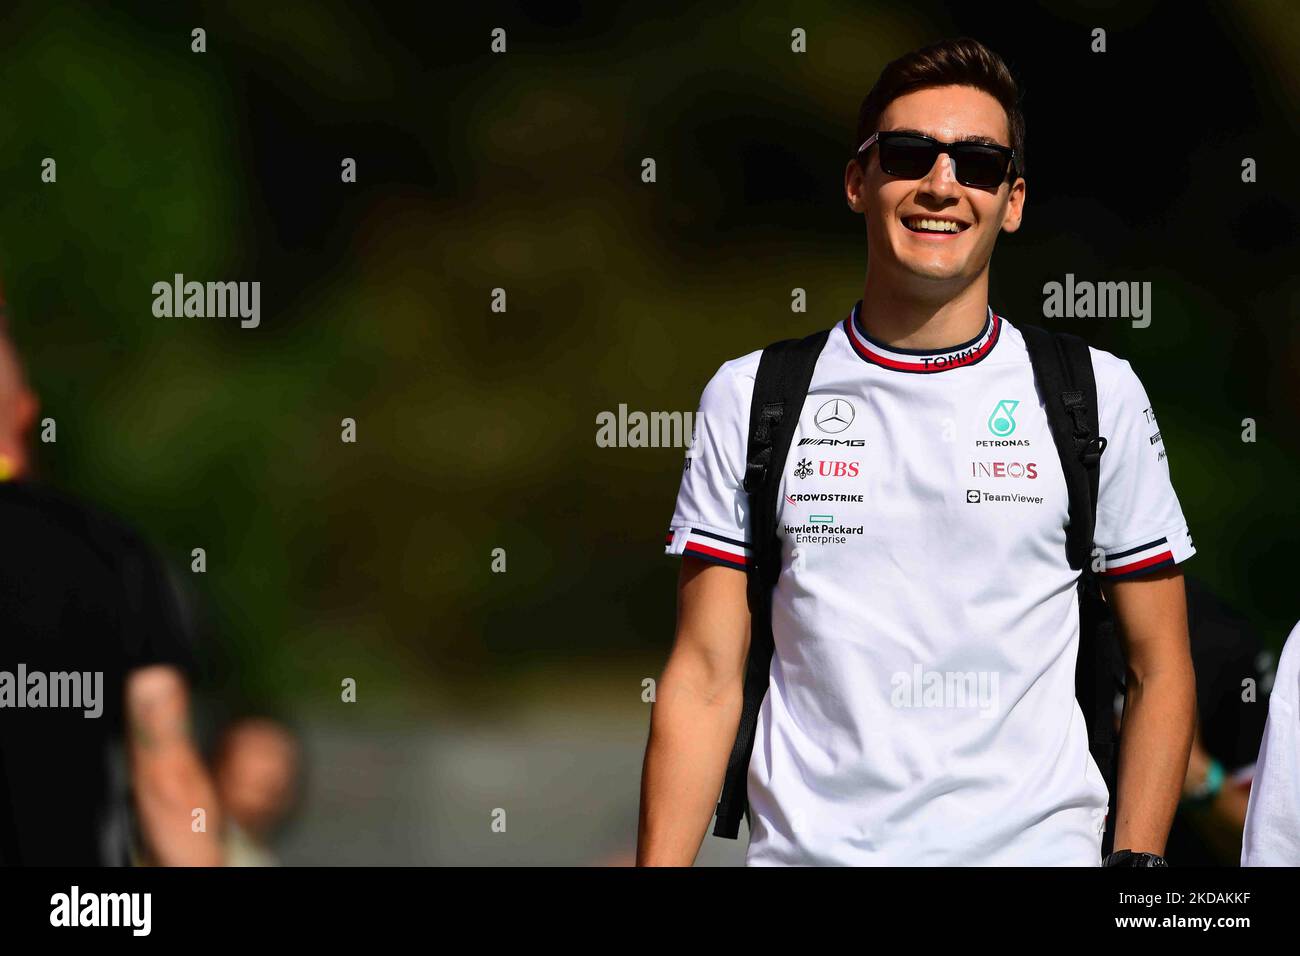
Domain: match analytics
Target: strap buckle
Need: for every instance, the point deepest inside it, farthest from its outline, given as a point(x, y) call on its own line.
point(1091, 453)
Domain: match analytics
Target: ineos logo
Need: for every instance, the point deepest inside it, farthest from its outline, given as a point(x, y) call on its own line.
point(1004, 469)
point(834, 416)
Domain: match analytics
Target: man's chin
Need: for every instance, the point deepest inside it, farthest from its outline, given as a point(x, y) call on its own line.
point(933, 271)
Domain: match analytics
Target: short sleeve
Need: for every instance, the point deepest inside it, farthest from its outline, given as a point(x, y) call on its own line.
point(1140, 524)
point(711, 518)
point(157, 626)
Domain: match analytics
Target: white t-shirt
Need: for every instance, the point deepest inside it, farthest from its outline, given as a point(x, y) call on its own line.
point(1272, 834)
point(921, 708)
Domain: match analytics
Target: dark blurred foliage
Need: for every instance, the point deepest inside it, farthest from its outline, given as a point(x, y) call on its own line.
point(522, 171)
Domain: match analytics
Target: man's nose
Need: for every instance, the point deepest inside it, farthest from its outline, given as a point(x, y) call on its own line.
point(941, 180)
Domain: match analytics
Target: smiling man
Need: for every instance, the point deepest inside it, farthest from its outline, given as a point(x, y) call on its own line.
point(920, 705)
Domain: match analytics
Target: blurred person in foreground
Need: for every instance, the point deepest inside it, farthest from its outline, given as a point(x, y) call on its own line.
point(1272, 836)
point(94, 694)
point(256, 767)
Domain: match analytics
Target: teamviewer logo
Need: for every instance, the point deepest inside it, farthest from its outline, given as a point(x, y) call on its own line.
point(973, 496)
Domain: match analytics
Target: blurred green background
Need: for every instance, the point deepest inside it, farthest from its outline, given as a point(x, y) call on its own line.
point(522, 171)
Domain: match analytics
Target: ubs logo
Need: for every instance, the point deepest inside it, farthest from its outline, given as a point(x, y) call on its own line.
point(834, 416)
point(827, 468)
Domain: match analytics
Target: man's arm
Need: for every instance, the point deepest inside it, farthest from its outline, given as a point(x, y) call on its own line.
point(695, 716)
point(167, 775)
point(1160, 706)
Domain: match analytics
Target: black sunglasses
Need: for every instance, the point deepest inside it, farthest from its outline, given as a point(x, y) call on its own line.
point(912, 155)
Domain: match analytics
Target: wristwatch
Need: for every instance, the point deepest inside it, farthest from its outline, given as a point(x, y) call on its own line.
point(1129, 858)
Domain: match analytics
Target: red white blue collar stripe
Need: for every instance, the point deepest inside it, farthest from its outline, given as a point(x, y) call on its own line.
point(921, 360)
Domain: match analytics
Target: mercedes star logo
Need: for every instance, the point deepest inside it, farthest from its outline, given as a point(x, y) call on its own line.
point(835, 416)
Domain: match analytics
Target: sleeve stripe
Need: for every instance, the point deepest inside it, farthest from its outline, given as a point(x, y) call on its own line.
point(697, 550)
point(1150, 564)
point(709, 546)
point(718, 537)
point(1140, 547)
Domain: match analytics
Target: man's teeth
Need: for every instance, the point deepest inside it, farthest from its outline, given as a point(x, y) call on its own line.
point(934, 225)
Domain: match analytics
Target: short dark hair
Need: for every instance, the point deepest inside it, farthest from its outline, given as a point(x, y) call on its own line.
point(957, 62)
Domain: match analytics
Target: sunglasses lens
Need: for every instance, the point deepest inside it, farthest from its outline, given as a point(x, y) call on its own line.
point(980, 166)
point(907, 157)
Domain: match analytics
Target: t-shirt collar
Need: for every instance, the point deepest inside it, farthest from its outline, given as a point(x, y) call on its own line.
point(921, 360)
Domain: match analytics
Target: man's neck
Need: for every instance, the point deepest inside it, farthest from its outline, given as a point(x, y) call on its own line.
point(902, 320)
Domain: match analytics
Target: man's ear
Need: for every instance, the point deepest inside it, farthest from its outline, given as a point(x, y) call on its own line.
point(1015, 207)
point(853, 186)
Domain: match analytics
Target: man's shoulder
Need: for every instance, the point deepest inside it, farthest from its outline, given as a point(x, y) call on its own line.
point(34, 509)
point(64, 521)
point(1120, 390)
point(739, 373)
point(1108, 368)
point(742, 369)
point(731, 385)
point(1118, 384)
point(1106, 365)
point(1286, 684)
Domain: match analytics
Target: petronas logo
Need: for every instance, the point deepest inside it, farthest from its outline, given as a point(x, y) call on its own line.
point(1001, 422)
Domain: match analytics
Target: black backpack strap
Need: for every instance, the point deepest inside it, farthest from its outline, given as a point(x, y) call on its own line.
point(1063, 370)
point(780, 387)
